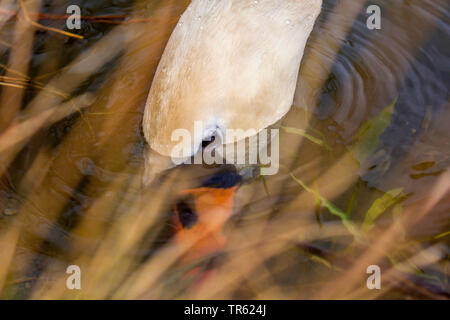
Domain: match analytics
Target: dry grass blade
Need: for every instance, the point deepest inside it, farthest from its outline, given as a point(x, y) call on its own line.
point(11, 98)
point(28, 125)
point(27, 18)
point(6, 11)
point(385, 242)
point(8, 245)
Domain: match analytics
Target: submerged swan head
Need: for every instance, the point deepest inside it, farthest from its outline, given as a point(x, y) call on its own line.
point(230, 64)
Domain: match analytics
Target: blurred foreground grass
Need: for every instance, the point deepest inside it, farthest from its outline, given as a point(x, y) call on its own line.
point(70, 161)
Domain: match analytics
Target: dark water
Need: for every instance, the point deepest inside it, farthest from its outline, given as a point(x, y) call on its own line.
point(408, 59)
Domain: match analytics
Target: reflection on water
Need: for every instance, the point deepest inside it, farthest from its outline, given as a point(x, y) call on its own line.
point(407, 60)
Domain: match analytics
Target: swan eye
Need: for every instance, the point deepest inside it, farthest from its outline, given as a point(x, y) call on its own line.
point(206, 143)
point(186, 213)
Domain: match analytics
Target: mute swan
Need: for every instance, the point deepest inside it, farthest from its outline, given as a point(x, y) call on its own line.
point(229, 64)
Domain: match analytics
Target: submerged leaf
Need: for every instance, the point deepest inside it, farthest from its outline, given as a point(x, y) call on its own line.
point(321, 260)
point(379, 206)
point(352, 201)
point(368, 136)
point(303, 133)
point(350, 225)
point(442, 235)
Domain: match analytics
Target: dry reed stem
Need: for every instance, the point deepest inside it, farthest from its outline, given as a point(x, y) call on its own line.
point(316, 66)
point(385, 242)
point(23, 129)
point(38, 25)
point(6, 10)
point(19, 60)
point(72, 176)
point(8, 245)
point(72, 76)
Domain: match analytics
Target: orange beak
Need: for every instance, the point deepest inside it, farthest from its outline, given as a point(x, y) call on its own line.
point(199, 219)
